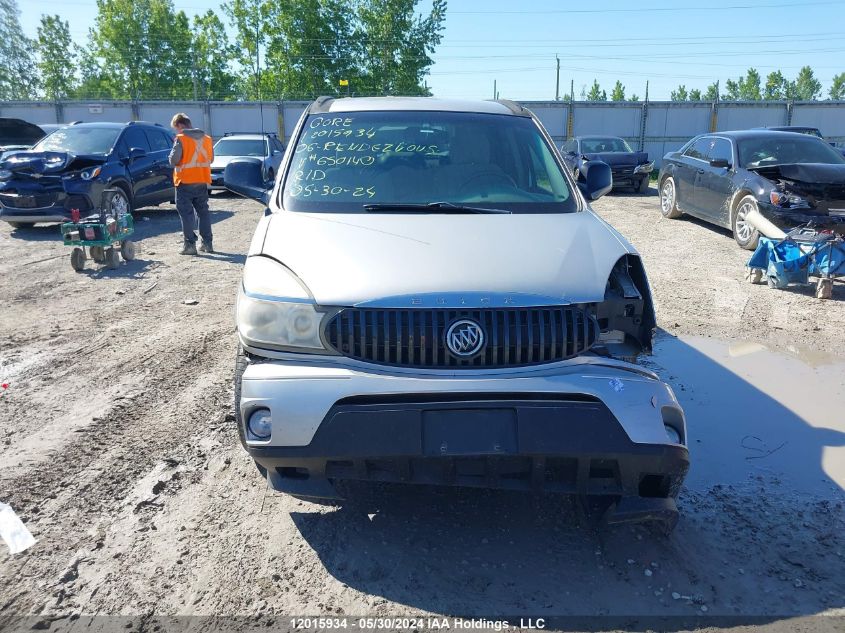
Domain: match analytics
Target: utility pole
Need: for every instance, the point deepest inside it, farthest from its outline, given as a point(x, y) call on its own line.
point(495, 92)
point(557, 81)
point(258, 74)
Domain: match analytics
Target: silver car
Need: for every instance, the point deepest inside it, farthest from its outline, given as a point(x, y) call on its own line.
point(267, 147)
point(430, 299)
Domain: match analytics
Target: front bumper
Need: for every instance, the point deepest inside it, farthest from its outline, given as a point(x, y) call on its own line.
point(584, 427)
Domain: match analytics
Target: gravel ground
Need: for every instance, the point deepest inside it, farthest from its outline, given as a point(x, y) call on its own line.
point(117, 449)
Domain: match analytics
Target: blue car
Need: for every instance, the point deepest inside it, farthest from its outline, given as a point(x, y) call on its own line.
point(630, 168)
point(74, 166)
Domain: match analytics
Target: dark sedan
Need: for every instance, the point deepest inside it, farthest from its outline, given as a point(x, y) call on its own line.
point(630, 168)
point(791, 179)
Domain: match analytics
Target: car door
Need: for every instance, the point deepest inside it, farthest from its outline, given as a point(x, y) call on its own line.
point(713, 185)
point(693, 158)
point(161, 187)
point(140, 168)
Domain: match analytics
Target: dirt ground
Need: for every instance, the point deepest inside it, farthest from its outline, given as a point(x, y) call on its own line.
point(118, 451)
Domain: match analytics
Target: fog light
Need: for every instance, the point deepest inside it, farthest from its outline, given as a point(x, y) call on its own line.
point(260, 424)
point(671, 433)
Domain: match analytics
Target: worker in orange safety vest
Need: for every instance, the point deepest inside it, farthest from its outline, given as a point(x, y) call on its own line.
point(191, 158)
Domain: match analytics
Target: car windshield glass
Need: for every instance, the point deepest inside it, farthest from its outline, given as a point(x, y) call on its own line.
point(345, 161)
point(780, 150)
point(80, 140)
point(599, 145)
point(239, 147)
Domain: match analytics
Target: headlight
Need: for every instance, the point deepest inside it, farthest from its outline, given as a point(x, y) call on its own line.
point(645, 168)
point(5, 174)
point(784, 199)
point(274, 310)
point(88, 174)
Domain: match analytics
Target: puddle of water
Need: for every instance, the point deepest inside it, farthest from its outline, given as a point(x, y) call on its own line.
point(753, 411)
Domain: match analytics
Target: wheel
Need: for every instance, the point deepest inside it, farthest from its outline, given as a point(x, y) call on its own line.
point(77, 259)
point(127, 249)
point(241, 363)
point(98, 254)
point(112, 258)
point(643, 186)
point(753, 275)
point(21, 225)
point(745, 234)
point(824, 289)
point(669, 199)
point(118, 202)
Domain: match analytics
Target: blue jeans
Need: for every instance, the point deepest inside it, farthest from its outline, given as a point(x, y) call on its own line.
point(190, 199)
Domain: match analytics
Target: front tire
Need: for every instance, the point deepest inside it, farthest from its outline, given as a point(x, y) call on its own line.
point(118, 203)
point(669, 199)
point(745, 235)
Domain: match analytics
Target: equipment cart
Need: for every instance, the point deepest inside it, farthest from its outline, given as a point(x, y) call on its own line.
point(105, 233)
point(805, 252)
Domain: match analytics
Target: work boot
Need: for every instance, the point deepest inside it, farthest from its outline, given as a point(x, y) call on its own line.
point(206, 247)
point(188, 248)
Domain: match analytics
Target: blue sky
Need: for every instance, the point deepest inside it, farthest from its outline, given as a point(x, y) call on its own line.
point(667, 42)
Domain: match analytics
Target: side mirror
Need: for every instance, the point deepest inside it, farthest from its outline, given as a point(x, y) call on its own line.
point(720, 163)
point(245, 177)
point(137, 152)
point(596, 179)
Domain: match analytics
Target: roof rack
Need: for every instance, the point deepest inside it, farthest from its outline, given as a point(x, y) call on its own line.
point(514, 107)
point(256, 133)
point(321, 104)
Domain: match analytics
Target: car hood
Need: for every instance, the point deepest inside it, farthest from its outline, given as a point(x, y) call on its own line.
point(619, 158)
point(402, 260)
point(19, 132)
point(48, 162)
point(220, 162)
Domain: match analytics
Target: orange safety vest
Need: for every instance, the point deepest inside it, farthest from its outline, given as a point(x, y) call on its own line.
point(195, 166)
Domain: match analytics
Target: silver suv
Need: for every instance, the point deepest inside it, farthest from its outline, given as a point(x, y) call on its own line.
point(430, 299)
point(267, 147)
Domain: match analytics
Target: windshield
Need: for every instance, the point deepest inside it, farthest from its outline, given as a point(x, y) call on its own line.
point(345, 161)
point(80, 140)
point(608, 144)
point(240, 147)
point(780, 150)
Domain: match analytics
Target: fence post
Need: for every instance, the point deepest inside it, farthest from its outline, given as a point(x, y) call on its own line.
point(136, 110)
point(280, 119)
point(206, 115)
point(789, 107)
point(60, 112)
point(714, 115)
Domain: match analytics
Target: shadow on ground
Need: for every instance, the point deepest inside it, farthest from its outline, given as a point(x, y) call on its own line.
point(753, 548)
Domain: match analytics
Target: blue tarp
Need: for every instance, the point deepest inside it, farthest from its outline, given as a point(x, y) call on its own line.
point(789, 261)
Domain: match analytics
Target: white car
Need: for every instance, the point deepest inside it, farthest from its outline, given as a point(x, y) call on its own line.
point(266, 147)
point(430, 299)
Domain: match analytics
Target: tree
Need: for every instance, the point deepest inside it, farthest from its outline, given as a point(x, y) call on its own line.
point(142, 48)
point(17, 81)
point(837, 88)
point(394, 44)
point(712, 92)
point(618, 93)
point(807, 87)
point(596, 93)
point(249, 20)
point(634, 97)
point(745, 88)
point(56, 57)
point(210, 53)
point(695, 94)
point(680, 94)
point(775, 86)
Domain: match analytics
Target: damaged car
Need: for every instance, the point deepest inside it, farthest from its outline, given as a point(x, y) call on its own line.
point(121, 166)
point(429, 299)
point(630, 168)
point(755, 181)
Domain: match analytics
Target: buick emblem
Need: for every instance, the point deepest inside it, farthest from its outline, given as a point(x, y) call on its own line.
point(464, 338)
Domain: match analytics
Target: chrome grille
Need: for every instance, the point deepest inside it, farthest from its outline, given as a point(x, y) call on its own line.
point(514, 337)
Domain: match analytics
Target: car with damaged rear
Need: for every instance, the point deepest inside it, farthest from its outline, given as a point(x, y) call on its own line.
point(87, 166)
point(629, 168)
point(429, 299)
point(756, 181)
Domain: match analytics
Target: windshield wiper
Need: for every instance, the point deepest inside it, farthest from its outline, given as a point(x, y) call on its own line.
point(432, 207)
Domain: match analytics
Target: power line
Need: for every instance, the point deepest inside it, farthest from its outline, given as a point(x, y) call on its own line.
point(641, 9)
